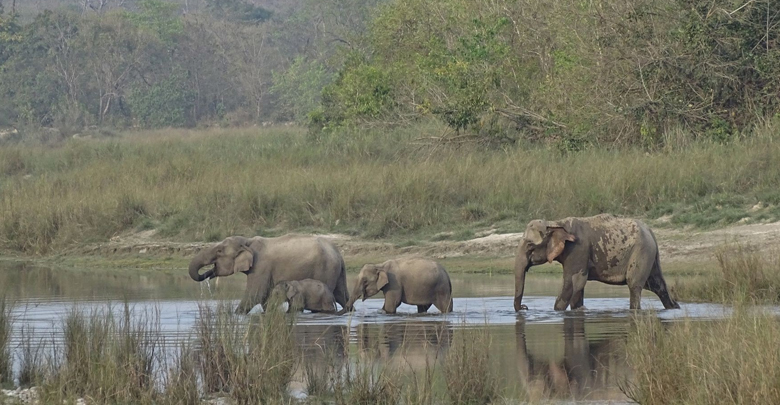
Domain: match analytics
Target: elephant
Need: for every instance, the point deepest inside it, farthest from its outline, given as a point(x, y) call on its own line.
point(416, 281)
point(267, 261)
point(305, 294)
point(613, 250)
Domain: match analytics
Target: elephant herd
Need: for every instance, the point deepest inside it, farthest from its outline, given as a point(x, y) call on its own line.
point(309, 273)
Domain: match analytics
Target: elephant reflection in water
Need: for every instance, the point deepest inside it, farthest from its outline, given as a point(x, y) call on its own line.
point(574, 368)
point(323, 349)
point(411, 344)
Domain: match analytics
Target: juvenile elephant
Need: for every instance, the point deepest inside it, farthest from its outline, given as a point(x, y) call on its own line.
point(267, 261)
point(414, 281)
point(305, 294)
point(613, 250)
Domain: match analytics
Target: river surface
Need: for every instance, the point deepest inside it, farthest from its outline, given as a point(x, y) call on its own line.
point(571, 355)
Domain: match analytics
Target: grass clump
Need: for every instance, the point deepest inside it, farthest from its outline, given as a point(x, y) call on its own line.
point(366, 380)
point(746, 275)
point(468, 372)
point(108, 358)
point(31, 359)
point(181, 380)
point(251, 363)
point(733, 361)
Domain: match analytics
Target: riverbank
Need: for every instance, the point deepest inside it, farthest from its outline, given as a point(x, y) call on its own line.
point(204, 185)
point(684, 251)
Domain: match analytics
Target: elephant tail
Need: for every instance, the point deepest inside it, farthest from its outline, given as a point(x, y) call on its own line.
point(657, 284)
point(343, 293)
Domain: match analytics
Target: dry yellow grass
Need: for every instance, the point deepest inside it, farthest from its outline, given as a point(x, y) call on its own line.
point(204, 185)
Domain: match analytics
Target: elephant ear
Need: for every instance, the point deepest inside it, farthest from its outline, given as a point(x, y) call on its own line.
point(290, 292)
point(381, 279)
point(243, 261)
point(558, 238)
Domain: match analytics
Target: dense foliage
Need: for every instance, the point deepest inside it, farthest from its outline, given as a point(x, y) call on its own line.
point(642, 72)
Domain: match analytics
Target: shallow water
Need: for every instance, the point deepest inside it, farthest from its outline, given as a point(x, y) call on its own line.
point(572, 355)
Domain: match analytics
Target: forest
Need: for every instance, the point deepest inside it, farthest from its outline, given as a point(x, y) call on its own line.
point(601, 73)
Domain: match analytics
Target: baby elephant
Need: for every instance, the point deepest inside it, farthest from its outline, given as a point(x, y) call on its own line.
point(414, 281)
point(305, 294)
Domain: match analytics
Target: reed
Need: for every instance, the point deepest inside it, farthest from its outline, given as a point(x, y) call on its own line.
point(746, 275)
point(468, 371)
point(251, 363)
point(108, 357)
point(6, 360)
point(733, 361)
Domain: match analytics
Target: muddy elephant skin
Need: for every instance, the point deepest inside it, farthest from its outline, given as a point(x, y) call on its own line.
point(613, 250)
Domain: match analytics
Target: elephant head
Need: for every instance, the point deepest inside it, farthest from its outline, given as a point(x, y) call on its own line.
point(230, 256)
point(284, 292)
point(542, 242)
point(371, 280)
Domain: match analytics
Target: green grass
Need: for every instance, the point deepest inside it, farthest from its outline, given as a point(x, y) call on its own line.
point(208, 184)
point(733, 361)
point(746, 274)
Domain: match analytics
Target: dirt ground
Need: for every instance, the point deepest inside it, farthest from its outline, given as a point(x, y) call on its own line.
point(677, 245)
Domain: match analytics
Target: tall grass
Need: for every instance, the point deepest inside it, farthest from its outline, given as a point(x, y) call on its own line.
point(120, 356)
point(468, 371)
point(31, 358)
point(250, 363)
point(366, 381)
point(734, 361)
point(747, 275)
point(204, 185)
point(5, 341)
point(106, 357)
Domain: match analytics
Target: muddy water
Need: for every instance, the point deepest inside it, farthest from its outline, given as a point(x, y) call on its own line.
point(573, 355)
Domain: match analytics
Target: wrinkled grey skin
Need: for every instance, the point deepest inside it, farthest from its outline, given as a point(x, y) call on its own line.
point(307, 294)
point(613, 250)
point(414, 281)
point(267, 261)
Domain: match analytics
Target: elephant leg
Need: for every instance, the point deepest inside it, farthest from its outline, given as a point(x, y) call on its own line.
point(392, 302)
point(578, 281)
point(247, 303)
point(423, 308)
point(444, 303)
point(566, 292)
point(635, 294)
point(340, 293)
point(637, 274)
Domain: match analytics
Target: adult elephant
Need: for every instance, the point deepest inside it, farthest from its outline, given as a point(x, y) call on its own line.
point(267, 261)
point(613, 250)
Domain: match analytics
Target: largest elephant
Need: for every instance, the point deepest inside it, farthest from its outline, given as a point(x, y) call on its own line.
point(267, 261)
point(613, 250)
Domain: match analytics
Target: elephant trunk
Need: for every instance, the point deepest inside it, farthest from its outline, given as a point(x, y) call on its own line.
point(521, 267)
point(357, 292)
point(203, 258)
